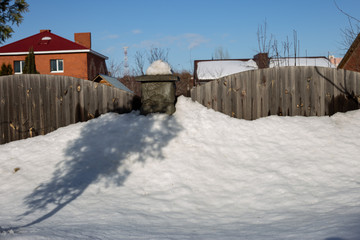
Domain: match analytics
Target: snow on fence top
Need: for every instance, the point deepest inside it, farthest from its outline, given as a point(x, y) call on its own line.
point(159, 68)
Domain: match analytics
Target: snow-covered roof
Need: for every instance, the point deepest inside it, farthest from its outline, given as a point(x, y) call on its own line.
point(209, 70)
point(217, 69)
point(301, 61)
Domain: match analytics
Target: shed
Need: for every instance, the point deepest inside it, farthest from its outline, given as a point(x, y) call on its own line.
point(208, 70)
point(111, 81)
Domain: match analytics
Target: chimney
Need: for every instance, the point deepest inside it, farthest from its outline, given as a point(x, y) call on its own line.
point(45, 30)
point(83, 39)
point(262, 60)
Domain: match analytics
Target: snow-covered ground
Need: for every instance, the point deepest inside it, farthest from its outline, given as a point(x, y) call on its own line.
point(195, 175)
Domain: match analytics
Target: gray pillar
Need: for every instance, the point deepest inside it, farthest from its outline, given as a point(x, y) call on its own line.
point(157, 93)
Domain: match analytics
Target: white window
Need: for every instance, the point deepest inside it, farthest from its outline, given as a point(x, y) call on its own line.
point(57, 65)
point(18, 67)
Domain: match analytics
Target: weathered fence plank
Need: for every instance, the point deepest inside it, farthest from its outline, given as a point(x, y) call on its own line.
point(36, 104)
point(207, 96)
point(214, 102)
point(247, 97)
point(254, 95)
point(227, 95)
point(13, 118)
point(286, 91)
point(5, 117)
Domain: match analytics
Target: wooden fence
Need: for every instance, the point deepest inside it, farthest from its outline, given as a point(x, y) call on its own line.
point(284, 91)
point(33, 104)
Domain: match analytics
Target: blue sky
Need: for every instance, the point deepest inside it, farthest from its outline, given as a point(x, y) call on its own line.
point(191, 29)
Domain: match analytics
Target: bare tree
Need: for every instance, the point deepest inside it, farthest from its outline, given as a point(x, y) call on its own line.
point(157, 53)
point(221, 53)
point(114, 68)
point(264, 43)
point(276, 52)
point(350, 32)
point(281, 52)
point(139, 62)
point(286, 49)
point(296, 44)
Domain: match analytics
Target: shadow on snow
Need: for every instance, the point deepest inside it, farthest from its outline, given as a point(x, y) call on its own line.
point(100, 153)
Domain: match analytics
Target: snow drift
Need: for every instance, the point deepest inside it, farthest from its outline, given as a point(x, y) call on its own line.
point(197, 174)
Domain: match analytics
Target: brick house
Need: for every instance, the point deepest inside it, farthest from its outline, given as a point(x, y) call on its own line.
point(351, 60)
point(56, 55)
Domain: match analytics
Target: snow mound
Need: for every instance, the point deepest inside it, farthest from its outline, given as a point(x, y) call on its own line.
point(159, 68)
point(197, 174)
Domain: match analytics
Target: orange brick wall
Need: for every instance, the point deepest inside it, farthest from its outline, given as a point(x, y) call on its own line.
point(75, 64)
point(11, 59)
point(79, 65)
point(353, 63)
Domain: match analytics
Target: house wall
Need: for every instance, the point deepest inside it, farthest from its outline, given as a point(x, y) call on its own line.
point(96, 65)
point(79, 65)
point(75, 64)
point(353, 63)
point(10, 60)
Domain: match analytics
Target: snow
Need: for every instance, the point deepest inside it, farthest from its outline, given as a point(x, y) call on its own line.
point(301, 61)
point(159, 67)
point(217, 69)
point(198, 174)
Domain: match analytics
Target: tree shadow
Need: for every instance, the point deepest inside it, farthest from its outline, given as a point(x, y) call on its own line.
point(346, 100)
point(102, 152)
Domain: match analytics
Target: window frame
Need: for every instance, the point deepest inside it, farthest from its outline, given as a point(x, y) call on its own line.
point(57, 61)
point(21, 64)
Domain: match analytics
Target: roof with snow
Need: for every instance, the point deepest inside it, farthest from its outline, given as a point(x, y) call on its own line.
point(219, 68)
point(215, 69)
point(43, 43)
point(113, 81)
point(301, 61)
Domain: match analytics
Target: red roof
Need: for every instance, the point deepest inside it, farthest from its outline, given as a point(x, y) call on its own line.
point(43, 41)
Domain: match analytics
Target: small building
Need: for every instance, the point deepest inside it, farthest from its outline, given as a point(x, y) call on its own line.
point(208, 70)
point(351, 60)
point(335, 60)
point(110, 81)
point(56, 55)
